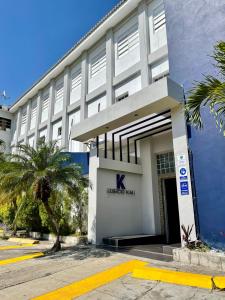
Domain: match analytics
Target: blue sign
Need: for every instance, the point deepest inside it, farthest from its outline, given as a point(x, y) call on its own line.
point(119, 182)
point(183, 171)
point(184, 189)
point(183, 178)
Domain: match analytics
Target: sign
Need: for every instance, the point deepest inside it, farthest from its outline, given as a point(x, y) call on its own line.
point(184, 189)
point(181, 159)
point(120, 187)
point(183, 171)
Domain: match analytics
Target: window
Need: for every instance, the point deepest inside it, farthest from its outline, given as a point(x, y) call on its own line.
point(45, 106)
point(23, 122)
point(121, 97)
point(96, 106)
point(75, 79)
point(5, 124)
point(128, 41)
point(59, 131)
point(33, 115)
point(58, 97)
point(159, 18)
point(98, 63)
point(165, 163)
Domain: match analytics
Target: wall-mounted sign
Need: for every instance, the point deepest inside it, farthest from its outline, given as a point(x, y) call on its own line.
point(181, 159)
point(184, 189)
point(120, 186)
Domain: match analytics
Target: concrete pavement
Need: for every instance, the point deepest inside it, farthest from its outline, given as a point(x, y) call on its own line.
point(31, 278)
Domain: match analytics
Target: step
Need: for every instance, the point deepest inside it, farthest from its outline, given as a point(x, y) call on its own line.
point(129, 240)
point(168, 249)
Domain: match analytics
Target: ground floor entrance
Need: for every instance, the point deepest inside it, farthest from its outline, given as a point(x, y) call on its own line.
point(172, 221)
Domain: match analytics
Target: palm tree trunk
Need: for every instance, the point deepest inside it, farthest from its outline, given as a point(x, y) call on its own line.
point(57, 244)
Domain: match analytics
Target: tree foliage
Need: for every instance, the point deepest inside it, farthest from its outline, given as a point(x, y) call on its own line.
point(46, 173)
point(209, 93)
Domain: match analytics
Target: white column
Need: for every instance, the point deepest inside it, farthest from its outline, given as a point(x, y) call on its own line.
point(18, 125)
point(84, 86)
point(65, 121)
point(110, 66)
point(28, 121)
point(144, 43)
point(38, 118)
point(50, 110)
point(184, 191)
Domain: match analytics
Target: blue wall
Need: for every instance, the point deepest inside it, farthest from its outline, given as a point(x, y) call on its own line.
point(193, 27)
point(81, 158)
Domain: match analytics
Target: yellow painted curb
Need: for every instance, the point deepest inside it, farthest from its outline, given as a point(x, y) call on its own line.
point(180, 278)
point(23, 240)
point(15, 247)
point(20, 258)
point(88, 284)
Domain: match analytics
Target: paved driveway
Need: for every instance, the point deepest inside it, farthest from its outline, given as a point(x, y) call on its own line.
point(34, 277)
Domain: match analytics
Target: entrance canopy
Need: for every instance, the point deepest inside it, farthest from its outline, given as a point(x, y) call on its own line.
point(162, 95)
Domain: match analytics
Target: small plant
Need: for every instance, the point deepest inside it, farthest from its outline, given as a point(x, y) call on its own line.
point(186, 236)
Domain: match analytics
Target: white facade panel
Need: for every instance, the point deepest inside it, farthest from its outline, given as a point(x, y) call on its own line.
point(75, 83)
point(96, 106)
point(43, 133)
point(74, 118)
point(31, 140)
point(127, 45)
point(160, 68)
point(157, 25)
point(57, 133)
point(130, 87)
point(58, 96)
point(97, 67)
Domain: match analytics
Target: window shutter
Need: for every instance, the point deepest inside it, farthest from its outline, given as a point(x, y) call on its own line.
point(59, 92)
point(98, 63)
point(159, 17)
point(128, 41)
point(75, 79)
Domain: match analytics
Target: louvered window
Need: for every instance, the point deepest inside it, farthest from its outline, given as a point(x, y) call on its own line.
point(128, 41)
point(23, 122)
point(159, 18)
point(58, 98)
point(45, 105)
point(98, 63)
point(75, 79)
point(33, 115)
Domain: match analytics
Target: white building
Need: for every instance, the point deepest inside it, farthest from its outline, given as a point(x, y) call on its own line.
point(112, 90)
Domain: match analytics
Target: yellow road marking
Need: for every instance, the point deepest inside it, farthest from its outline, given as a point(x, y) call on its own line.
point(20, 258)
point(180, 278)
point(15, 246)
point(88, 284)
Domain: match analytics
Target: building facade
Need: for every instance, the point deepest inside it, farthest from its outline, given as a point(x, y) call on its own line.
point(119, 93)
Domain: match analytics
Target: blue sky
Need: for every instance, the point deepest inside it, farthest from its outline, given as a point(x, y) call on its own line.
point(34, 34)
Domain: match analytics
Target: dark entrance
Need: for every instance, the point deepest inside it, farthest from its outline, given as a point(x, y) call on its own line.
point(172, 221)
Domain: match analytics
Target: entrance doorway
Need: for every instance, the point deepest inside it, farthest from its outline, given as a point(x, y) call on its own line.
point(172, 222)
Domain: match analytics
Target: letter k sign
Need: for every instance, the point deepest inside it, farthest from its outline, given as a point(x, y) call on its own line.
point(119, 182)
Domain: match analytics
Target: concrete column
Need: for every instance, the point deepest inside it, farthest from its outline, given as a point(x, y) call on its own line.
point(144, 43)
point(18, 125)
point(65, 118)
point(28, 121)
point(50, 110)
point(84, 87)
point(180, 144)
point(110, 67)
point(38, 118)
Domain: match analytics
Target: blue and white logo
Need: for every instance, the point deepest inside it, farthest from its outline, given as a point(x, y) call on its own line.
point(184, 189)
point(183, 171)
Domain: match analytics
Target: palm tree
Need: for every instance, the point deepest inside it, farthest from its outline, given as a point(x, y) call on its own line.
point(209, 92)
point(41, 171)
